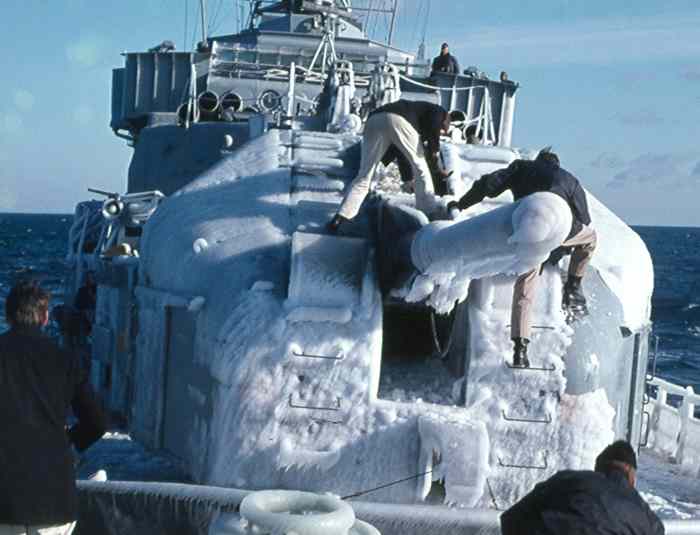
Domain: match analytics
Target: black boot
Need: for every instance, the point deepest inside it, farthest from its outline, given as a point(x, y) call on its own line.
point(573, 301)
point(334, 224)
point(520, 359)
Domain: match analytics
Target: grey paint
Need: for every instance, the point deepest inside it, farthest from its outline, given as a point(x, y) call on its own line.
point(188, 387)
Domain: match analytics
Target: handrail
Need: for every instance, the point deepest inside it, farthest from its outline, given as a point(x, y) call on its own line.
point(191, 506)
point(671, 427)
point(437, 88)
point(676, 390)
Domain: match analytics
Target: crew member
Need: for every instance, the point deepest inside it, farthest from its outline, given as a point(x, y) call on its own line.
point(38, 382)
point(585, 502)
point(445, 62)
point(524, 177)
point(406, 126)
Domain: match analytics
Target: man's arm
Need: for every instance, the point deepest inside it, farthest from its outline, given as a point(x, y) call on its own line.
point(91, 423)
point(490, 185)
point(455, 65)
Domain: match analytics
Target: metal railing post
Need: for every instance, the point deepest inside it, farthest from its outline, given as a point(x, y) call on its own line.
point(685, 412)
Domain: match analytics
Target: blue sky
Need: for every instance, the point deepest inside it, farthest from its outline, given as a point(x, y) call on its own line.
point(613, 85)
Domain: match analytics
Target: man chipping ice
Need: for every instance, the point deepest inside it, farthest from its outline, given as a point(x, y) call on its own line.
point(522, 178)
point(405, 125)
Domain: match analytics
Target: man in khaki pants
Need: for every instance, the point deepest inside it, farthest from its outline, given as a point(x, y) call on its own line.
point(405, 125)
point(524, 177)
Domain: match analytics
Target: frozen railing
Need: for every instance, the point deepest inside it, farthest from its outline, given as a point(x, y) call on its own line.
point(674, 431)
point(483, 120)
point(84, 238)
point(118, 506)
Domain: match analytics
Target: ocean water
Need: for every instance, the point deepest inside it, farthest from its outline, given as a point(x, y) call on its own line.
point(35, 245)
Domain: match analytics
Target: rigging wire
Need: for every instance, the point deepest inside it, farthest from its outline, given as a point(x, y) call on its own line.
point(363, 492)
point(184, 37)
point(193, 37)
point(416, 22)
point(214, 21)
point(425, 21)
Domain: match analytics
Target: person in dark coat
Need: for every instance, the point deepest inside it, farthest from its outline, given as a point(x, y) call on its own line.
point(582, 502)
point(522, 178)
point(39, 381)
point(445, 62)
point(407, 126)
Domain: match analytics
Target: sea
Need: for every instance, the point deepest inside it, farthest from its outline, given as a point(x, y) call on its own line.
point(35, 245)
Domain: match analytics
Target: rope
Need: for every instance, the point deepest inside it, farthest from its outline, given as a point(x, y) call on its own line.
point(362, 493)
point(435, 88)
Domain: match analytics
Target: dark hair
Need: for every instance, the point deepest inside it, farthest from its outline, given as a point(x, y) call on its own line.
point(617, 452)
point(444, 45)
point(546, 155)
point(26, 304)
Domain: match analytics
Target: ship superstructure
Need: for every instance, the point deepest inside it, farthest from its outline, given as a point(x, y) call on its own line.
point(232, 331)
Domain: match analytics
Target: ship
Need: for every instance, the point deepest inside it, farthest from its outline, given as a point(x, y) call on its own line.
point(234, 332)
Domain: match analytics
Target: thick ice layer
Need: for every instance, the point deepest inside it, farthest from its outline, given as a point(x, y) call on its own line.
point(290, 388)
point(511, 239)
point(621, 257)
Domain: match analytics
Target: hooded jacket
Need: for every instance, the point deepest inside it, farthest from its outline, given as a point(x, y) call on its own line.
point(38, 383)
point(582, 502)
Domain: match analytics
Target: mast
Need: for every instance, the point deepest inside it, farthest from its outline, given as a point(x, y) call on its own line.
point(394, 9)
point(203, 11)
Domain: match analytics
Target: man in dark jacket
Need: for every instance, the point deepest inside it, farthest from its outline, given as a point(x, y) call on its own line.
point(445, 62)
point(524, 177)
point(582, 502)
point(407, 126)
point(38, 382)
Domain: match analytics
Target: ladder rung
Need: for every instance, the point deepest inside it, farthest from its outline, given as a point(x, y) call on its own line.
point(313, 407)
point(547, 419)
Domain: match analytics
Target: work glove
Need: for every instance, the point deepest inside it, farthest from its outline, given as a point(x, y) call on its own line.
point(334, 224)
point(452, 209)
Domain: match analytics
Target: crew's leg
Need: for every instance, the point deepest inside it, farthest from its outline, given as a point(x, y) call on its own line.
point(521, 312)
point(375, 141)
point(584, 243)
point(408, 141)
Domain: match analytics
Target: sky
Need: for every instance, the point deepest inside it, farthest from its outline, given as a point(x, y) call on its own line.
point(612, 85)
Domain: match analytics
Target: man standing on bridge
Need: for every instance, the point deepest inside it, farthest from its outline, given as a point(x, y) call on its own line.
point(524, 177)
point(445, 62)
